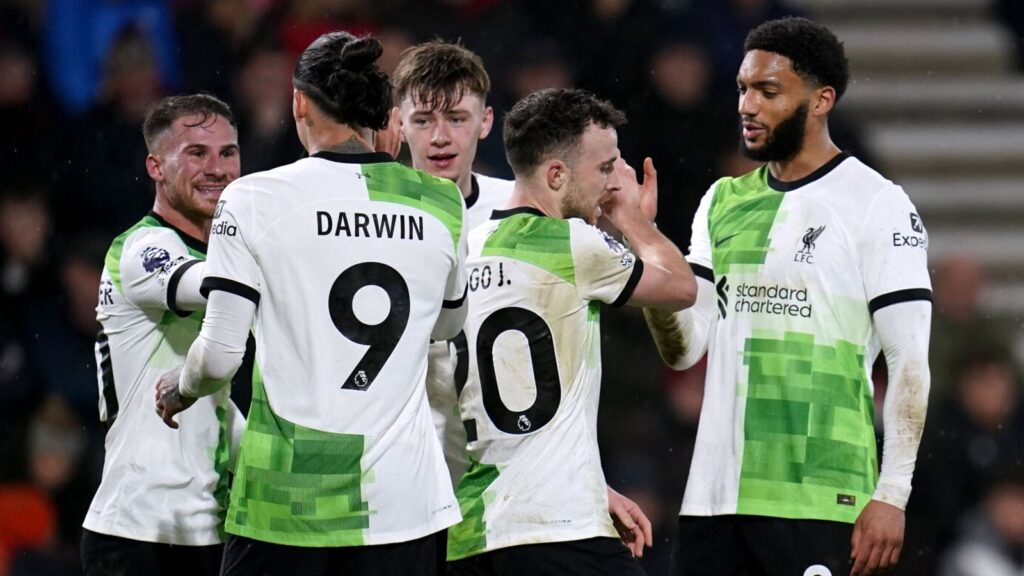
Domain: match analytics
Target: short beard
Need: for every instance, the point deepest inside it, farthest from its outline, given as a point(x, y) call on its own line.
point(784, 142)
point(570, 208)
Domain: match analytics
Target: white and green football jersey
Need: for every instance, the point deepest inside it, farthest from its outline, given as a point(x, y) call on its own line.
point(448, 366)
point(349, 258)
point(799, 267)
point(159, 485)
point(530, 403)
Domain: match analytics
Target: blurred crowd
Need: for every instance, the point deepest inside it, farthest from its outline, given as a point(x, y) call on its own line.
point(77, 76)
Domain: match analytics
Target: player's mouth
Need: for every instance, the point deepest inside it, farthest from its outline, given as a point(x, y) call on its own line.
point(210, 189)
point(752, 130)
point(441, 161)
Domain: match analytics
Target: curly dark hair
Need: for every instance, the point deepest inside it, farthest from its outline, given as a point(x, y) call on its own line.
point(815, 52)
point(339, 73)
point(162, 114)
point(439, 74)
point(551, 122)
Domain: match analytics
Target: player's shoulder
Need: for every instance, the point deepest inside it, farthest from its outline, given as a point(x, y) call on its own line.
point(150, 230)
point(753, 182)
point(865, 186)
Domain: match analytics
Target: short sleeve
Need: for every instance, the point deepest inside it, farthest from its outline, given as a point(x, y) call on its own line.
point(699, 255)
point(894, 251)
point(152, 261)
point(604, 269)
point(231, 264)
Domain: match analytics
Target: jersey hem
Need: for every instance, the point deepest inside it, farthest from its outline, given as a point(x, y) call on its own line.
point(797, 513)
point(343, 541)
point(141, 534)
point(536, 538)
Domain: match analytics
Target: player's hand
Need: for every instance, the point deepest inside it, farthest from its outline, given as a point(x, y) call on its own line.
point(632, 524)
point(633, 200)
point(649, 191)
point(389, 139)
point(877, 539)
point(169, 400)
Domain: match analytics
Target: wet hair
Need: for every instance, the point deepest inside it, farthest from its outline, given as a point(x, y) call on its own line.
point(339, 73)
point(817, 55)
point(167, 110)
point(439, 74)
point(551, 122)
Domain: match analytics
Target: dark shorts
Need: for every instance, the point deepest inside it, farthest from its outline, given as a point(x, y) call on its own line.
point(761, 546)
point(590, 557)
point(247, 557)
point(104, 555)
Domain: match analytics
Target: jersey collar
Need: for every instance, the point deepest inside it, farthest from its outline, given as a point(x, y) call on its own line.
point(500, 214)
point(193, 243)
point(780, 186)
point(363, 158)
point(474, 194)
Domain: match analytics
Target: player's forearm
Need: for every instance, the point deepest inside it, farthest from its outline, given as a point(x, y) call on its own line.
point(904, 332)
point(217, 353)
point(186, 295)
point(655, 249)
point(682, 337)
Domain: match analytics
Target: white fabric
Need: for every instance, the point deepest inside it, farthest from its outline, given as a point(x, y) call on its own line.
point(217, 353)
point(281, 239)
point(904, 331)
point(158, 484)
point(444, 358)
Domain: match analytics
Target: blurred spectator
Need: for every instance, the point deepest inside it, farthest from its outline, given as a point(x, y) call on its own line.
point(213, 36)
point(80, 33)
point(602, 37)
point(724, 25)
point(957, 320)
point(106, 187)
point(971, 436)
point(674, 120)
point(61, 328)
point(56, 482)
point(1012, 14)
point(24, 272)
point(27, 139)
point(992, 536)
point(266, 131)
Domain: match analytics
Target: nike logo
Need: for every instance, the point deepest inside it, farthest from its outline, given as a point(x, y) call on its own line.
point(720, 241)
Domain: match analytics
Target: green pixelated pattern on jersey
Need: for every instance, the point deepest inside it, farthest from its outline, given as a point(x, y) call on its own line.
point(113, 258)
point(469, 537)
point(392, 182)
point(740, 220)
point(537, 240)
point(809, 444)
point(297, 486)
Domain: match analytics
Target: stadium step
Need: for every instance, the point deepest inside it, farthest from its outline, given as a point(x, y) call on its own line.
point(941, 107)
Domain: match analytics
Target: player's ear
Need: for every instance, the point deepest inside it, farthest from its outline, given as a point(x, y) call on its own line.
point(557, 174)
point(300, 106)
point(824, 99)
point(154, 168)
point(488, 123)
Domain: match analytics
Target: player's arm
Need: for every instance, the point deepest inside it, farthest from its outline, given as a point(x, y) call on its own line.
point(157, 271)
point(897, 283)
point(682, 337)
point(213, 358)
point(453, 307)
point(666, 281)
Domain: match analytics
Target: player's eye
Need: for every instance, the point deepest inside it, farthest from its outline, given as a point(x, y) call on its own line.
point(421, 122)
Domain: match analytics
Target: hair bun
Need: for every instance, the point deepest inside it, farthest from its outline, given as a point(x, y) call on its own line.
point(360, 53)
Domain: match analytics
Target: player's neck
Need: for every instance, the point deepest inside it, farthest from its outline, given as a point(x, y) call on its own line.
point(527, 195)
point(465, 184)
point(200, 230)
point(814, 154)
point(340, 139)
